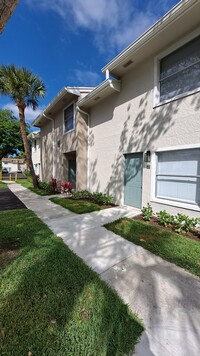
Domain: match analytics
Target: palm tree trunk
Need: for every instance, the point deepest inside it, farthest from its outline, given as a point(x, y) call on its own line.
point(29, 161)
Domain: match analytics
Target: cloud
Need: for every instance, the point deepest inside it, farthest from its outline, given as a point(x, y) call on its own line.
point(87, 77)
point(114, 23)
point(30, 115)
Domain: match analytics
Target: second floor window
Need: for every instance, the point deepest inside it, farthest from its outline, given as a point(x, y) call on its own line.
point(180, 71)
point(69, 118)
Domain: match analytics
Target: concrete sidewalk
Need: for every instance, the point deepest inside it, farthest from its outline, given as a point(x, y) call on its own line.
point(165, 296)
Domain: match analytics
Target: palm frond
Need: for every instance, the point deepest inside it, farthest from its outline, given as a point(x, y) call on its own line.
point(21, 85)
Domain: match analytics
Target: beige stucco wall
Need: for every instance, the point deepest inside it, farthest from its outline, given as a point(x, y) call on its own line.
point(46, 151)
point(126, 122)
point(67, 145)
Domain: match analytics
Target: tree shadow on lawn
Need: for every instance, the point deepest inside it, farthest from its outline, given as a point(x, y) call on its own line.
point(53, 304)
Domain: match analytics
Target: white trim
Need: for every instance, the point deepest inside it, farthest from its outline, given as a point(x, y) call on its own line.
point(163, 23)
point(77, 91)
point(176, 204)
point(177, 148)
point(171, 49)
point(153, 175)
point(153, 197)
point(74, 115)
point(115, 85)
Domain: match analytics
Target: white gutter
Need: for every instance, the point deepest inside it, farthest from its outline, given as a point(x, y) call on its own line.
point(107, 74)
point(161, 24)
point(53, 143)
point(113, 84)
point(88, 147)
point(70, 90)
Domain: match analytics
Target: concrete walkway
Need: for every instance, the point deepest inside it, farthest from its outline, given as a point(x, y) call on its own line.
point(165, 296)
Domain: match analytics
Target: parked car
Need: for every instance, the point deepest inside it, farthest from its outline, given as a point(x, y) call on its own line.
point(5, 170)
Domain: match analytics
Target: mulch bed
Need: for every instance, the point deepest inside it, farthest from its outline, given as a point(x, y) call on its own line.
point(195, 235)
point(9, 201)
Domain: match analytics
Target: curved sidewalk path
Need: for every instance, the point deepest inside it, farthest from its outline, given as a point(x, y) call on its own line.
point(165, 296)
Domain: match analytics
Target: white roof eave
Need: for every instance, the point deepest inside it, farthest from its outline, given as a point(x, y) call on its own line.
point(71, 90)
point(108, 83)
point(168, 18)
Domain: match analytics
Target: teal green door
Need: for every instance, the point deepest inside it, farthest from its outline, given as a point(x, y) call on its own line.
point(72, 172)
point(133, 180)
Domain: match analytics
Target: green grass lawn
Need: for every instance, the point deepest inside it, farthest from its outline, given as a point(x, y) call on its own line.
point(77, 206)
point(27, 184)
point(51, 302)
point(172, 247)
point(3, 185)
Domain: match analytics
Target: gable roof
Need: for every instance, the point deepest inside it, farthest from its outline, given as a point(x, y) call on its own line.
point(65, 94)
point(182, 18)
point(34, 135)
point(13, 160)
point(104, 89)
point(173, 26)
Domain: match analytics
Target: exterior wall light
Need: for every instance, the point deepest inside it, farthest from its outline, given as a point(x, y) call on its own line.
point(147, 156)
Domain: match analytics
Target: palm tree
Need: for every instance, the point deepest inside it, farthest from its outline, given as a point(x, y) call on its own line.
point(24, 88)
point(6, 10)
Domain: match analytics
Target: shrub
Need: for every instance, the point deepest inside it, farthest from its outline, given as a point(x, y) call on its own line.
point(102, 198)
point(147, 212)
point(45, 186)
point(82, 194)
point(66, 187)
point(165, 218)
point(53, 184)
point(97, 197)
point(27, 173)
point(183, 224)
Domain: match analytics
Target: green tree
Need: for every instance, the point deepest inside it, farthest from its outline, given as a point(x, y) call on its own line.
point(10, 137)
point(24, 88)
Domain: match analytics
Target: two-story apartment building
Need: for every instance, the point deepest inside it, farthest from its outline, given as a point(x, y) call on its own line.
point(13, 165)
point(139, 135)
point(63, 138)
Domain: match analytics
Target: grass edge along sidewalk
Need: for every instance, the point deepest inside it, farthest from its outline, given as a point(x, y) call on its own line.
point(51, 302)
point(172, 247)
point(3, 185)
point(29, 185)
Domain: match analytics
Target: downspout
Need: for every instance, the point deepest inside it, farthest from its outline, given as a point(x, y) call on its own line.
point(107, 74)
point(88, 147)
point(53, 144)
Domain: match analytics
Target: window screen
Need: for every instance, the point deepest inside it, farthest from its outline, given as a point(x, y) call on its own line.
point(180, 70)
point(178, 175)
point(69, 118)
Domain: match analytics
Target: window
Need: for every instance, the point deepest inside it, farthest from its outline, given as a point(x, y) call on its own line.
point(178, 73)
point(178, 175)
point(69, 118)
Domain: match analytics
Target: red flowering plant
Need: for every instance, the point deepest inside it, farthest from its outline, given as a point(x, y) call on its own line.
point(66, 187)
point(53, 183)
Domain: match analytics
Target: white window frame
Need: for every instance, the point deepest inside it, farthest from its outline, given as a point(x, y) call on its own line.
point(157, 59)
point(74, 108)
point(154, 159)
